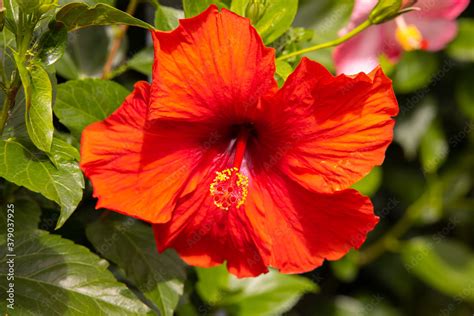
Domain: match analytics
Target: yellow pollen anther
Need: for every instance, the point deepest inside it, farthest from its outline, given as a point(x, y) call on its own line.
point(409, 36)
point(229, 188)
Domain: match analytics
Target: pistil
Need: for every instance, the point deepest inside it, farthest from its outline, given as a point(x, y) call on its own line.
point(240, 146)
point(230, 187)
point(409, 36)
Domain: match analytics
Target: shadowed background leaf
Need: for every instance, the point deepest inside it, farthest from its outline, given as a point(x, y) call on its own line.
point(71, 281)
point(130, 244)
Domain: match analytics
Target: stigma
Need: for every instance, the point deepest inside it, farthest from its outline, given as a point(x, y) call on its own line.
point(230, 187)
point(409, 36)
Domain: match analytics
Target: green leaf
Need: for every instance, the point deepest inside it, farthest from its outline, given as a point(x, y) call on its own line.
point(212, 282)
point(276, 19)
point(15, 126)
point(63, 152)
point(414, 71)
point(39, 114)
point(142, 61)
point(36, 6)
point(68, 138)
point(39, 101)
point(453, 184)
point(82, 102)
point(52, 43)
point(283, 69)
point(387, 65)
point(462, 48)
point(79, 15)
point(194, 7)
point(269, 294)
point(11, 12)
point(130, 244)
point(66, 67)
point(346, 269)
point(428, 208)
point(407, 184)
point(53, 276)
point(88, 2)
point(457, 180)
point(465, 93)
point(59, 179)
point(411, 127)
point(167, 18)
point(239, 6)
point(24, 213)
point(7, 43)
point(370, 183)
point(433, 148)
point(445, 265)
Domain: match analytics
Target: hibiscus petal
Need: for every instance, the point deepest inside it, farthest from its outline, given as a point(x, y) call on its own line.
point(205, 235)
point(446, 9)
point(212, 65)
point(437, 32)
point(307, 227)
point(139, 168)
point(361, 53)
point(335, 129)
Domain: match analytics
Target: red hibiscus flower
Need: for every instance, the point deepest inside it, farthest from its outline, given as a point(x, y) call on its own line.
point(229, 168)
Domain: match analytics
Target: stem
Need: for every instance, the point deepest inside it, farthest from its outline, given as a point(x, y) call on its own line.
point(117, 42)
point(9, 102)
point(3, 75)
point(4, 116)
point(116, 72)
point(2, 62)
point(335, 42)
point(25, 27)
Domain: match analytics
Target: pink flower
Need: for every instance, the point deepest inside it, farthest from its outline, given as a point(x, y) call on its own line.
point(431, 28)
